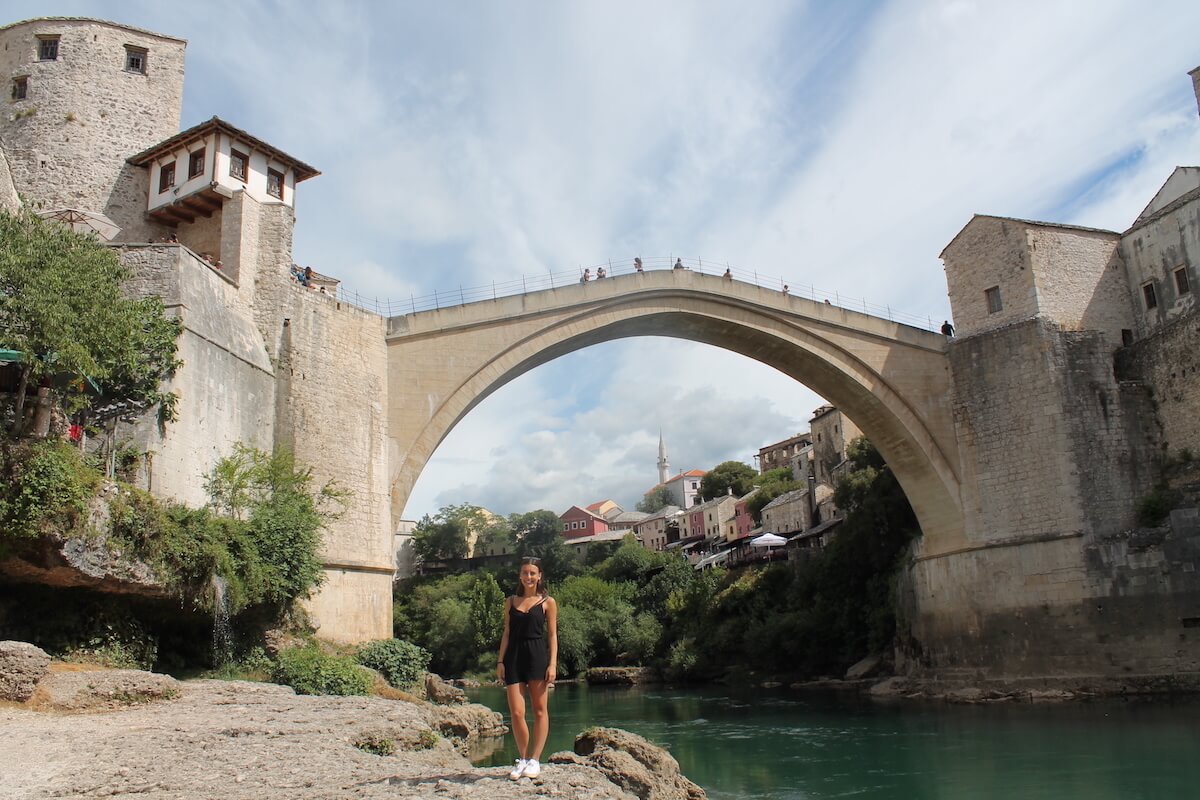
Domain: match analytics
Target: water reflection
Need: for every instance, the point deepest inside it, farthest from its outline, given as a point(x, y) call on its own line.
point(778, 745)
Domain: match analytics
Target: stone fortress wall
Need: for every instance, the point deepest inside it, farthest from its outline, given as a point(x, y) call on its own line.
point(266, 362)
point(84, 114)
point(1067, 398)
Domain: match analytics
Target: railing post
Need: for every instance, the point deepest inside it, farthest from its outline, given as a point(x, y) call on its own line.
point(461, 301)
point(436, 303)
point(413, 299)
point(523, 289)
point(493, 290)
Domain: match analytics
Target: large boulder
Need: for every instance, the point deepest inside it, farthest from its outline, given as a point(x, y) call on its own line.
point(105, 689)
point(632, 763)
point(438, 691)
point(627, 676)
point(22, 665)
point(467, 723)
point(867, 668)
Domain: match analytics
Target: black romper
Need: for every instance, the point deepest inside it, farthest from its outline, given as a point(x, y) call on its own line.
point(527, 656)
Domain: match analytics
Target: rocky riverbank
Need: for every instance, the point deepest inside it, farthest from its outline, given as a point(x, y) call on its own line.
point(88, 734)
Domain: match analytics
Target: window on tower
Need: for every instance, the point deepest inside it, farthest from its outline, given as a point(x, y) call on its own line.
point(135, 59)
point(20, 88)
point(48, 48)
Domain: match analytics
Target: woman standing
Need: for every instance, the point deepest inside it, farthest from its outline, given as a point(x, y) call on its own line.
point(529, 658)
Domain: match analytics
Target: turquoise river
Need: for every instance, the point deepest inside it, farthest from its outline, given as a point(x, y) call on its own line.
point(786, 745)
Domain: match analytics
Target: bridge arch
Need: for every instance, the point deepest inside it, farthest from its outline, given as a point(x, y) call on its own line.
point(892, 380)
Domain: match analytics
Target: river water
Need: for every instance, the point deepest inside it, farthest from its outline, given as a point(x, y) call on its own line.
point(786, 745)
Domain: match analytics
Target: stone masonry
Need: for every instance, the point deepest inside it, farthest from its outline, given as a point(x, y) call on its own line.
point(84, 113)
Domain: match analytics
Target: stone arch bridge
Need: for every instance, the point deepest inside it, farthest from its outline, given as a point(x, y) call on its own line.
point(891, 379)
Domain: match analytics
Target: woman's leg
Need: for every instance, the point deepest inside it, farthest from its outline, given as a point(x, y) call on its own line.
point(538, 696)
point(516, 712)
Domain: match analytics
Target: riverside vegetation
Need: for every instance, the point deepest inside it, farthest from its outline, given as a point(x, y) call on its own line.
point(629, 606)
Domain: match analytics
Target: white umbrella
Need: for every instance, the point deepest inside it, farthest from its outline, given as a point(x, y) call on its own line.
point(768, 540)
point(84, 221)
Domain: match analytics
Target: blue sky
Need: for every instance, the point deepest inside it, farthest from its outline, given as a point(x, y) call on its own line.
point(840, 145)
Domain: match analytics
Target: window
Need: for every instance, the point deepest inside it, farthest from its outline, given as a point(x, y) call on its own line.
point(275, 183)
point(196, 163)
point(237, 164)
point(20, 88)
point(166, 177)
point(48, 48)
point(1149, 296)
point(135, 59)
point(1181, 281)
point(994, 302)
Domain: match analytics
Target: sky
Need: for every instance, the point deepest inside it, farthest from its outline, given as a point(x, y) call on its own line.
point(834, 145)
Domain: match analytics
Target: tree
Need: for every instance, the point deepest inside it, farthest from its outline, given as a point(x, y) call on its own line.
point(539, 534)
point(655, 500)
point(61, 307)
point(437, 539)
point(725, 476)
point(770, 484)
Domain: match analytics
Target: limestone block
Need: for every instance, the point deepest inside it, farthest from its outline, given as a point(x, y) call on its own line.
point(22, 665)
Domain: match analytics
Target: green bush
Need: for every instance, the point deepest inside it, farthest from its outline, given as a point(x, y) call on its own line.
point(1153, 509)
point(308, 670)
point(44, 486)
point(402, 664)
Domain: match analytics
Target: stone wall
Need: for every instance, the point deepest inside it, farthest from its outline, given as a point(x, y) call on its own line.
point(1120, 604)
point(9, 201)
point(331, 409)
point(1055, 455)
point(989, 251)
point(1080, 280)
point(226, 385)
point(203, 236)
point(1072, 276)
point(1042, 428)
point(1167, 362)
point(1164, 242)
point(84, 114)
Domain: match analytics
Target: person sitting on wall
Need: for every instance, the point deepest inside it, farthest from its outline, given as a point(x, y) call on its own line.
point(307, 279)
point(679, 264)
point(728, 274)
point(601, 272)
point(586, 276)
point(637, 264)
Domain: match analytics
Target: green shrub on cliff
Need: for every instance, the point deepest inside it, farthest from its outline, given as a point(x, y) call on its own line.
point(309, 670)
point(401, 663)
point(44, 487)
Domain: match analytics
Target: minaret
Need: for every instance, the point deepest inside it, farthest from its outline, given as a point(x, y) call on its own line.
point(664, 468)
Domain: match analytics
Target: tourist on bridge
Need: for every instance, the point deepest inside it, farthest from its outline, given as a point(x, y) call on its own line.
point(947, 328)
point(601, 273)
point(679, 264)
point(637, 264)
point(529, 659)
point(586, 276)
point(728, 274)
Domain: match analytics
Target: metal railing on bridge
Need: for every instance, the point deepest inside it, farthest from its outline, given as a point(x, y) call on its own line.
point(553, 280)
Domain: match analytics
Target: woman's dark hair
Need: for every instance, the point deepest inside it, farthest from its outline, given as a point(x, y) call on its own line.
point(541, 584)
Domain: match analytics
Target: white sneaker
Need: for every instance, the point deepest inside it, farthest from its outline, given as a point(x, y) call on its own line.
point(519, 769)
point(532, 768)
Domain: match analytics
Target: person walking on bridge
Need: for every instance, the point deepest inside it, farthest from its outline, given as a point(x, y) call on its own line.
point(529, 660)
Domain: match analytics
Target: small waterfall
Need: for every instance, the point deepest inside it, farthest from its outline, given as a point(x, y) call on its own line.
point(222, 643)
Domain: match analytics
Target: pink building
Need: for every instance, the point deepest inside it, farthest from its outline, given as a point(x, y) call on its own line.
point(578, 522)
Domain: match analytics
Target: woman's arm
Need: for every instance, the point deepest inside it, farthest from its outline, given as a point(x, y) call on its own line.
point(552, 636)
point(503, 642)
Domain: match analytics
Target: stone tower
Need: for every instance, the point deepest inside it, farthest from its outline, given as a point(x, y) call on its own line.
point(85, 95)
point(664, 468)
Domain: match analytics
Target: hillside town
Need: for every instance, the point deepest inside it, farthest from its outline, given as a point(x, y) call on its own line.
point(676, 516)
